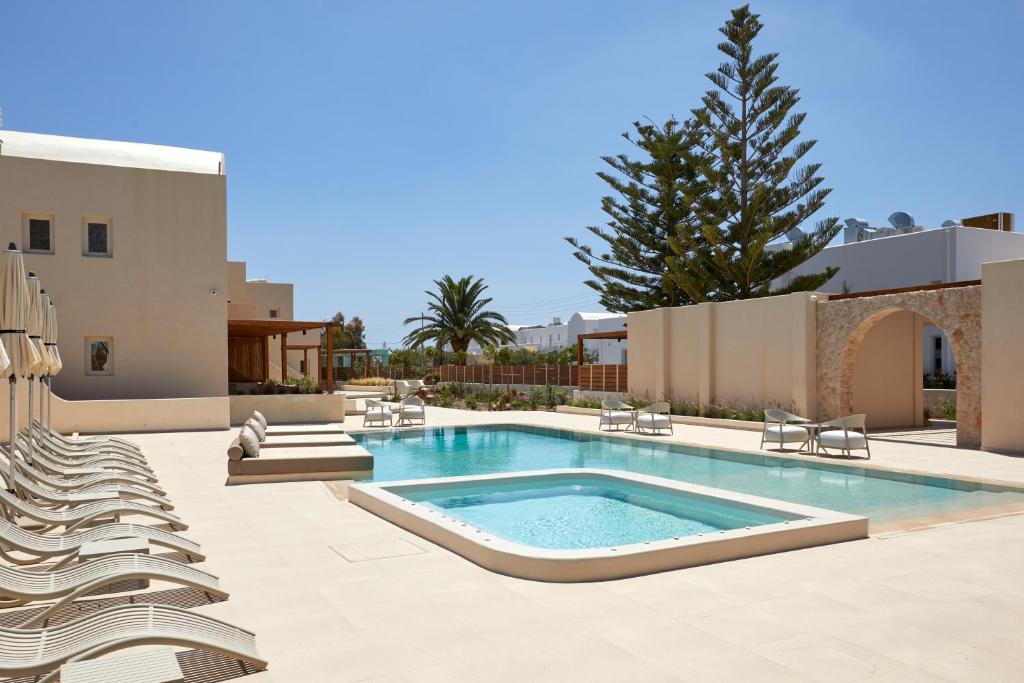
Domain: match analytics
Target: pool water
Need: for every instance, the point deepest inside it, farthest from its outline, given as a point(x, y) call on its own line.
point(881, 496)
point(587, 512)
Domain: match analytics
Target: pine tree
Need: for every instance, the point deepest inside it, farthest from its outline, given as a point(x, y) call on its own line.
point(653, 203)
point(746, 149)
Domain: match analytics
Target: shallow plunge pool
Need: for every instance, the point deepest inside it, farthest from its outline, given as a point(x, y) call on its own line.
point(587, 512)
point(593, 525)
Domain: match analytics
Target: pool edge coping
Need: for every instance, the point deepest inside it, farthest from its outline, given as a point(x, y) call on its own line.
point(813, 527)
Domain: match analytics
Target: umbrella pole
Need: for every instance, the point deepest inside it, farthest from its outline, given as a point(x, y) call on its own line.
point(49, 402)
point(13, 422)
point(31, 399)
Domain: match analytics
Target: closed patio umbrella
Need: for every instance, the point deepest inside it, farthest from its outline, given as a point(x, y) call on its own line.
point(46, 360)
point(34, 329)
point(55, 363)
point(14, 312)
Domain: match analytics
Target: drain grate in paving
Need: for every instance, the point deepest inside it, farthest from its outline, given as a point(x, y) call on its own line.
point(377, 550)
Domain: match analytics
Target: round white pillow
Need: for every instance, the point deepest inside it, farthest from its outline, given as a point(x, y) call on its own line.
point(249, 442)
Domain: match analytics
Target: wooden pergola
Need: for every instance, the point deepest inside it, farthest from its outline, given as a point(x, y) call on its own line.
point(249, 348)
point(613, 334)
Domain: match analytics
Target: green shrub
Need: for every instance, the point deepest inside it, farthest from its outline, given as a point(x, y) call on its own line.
point(370, 381)
point(947, 407)
point(535, 397)
point(471, 402)
point(943, 381)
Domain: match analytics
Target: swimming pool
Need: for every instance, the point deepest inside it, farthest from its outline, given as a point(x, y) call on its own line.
point(884, 497)
point(593, 525)
point(587, 512)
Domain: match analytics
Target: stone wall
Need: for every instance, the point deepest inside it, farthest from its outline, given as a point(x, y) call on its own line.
point(843, 324)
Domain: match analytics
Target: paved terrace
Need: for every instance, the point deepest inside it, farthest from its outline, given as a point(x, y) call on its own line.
point(336, 594)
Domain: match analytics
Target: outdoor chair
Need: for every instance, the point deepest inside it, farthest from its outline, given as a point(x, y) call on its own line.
point(46, 546)
point(402, 388)
point(377, 413)
point(844, 434)
point(134, 474)
point(35, 652)
point(13, 506)
point(20, 586)
point(411, 410)
point(72, 448)
point(654, 418)
point(616, 415)
point(29, 485)
point(87, 441)
point(89, 480)
point(781, 428)
point(48, 454)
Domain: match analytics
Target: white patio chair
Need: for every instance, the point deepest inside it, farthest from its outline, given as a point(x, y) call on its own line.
point(83, 515)
point(779, 428)
point(38, 651)
point(377, 413)
point(616, 415)
point(20, 586)
point(654, 418)
point(402, 387)
point(42, 547)
point(412, 410)
point(842, 434)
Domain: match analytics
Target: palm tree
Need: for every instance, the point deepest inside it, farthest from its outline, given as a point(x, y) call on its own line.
point(457, 317)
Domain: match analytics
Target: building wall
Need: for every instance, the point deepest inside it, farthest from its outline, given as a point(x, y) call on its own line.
point(1002, 364)
point(887, 386)
point(921, 258)
point(253, 300)
point(153, 296)
point(757, 352)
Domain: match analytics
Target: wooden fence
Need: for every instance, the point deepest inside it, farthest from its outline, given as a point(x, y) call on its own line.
point(586, 377)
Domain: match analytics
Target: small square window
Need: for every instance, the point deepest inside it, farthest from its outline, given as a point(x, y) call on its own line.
point(96, 237)
point(99, 355)
point(275, 313)
point(38, 232)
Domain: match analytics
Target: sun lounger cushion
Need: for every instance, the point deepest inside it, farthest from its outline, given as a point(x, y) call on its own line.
point(835, 438)
point(653, 421)
point(258, 416)
point(786, 434)
point(250, 442)
point(257, 427)
point(283, 462)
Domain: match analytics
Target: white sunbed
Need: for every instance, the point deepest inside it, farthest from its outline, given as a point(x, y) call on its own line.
point(34, 652)
point(84, 514)
point(45, 546)
point(20, 586)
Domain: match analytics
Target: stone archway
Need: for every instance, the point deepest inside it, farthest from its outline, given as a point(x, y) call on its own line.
point(843, 323)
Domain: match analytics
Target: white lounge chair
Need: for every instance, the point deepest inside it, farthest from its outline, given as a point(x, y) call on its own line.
point(83, 448)
point(84, 480)
point(412, 410)
point(654, 418)
point(45, 497)
point(96, 439)
point(34, 652)
point(616, 415)
point(844, 434)
point(49, 455)
point(45, 546)
point(377, 413)
point(23, 586)
point(781, 428)
point(13, 506)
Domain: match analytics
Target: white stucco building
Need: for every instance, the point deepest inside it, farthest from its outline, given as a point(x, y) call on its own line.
point(940, 255)
point(609, 351)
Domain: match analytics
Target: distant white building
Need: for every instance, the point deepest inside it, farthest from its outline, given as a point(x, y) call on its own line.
point(915, 257)
point(557, 335)
point(609, 351)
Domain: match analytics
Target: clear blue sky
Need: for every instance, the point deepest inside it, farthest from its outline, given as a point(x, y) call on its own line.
point(372, 146)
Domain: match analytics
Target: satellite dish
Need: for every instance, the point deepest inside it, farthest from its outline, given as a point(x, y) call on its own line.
point(794, 234)
point(901, 219)
point(950, 224)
